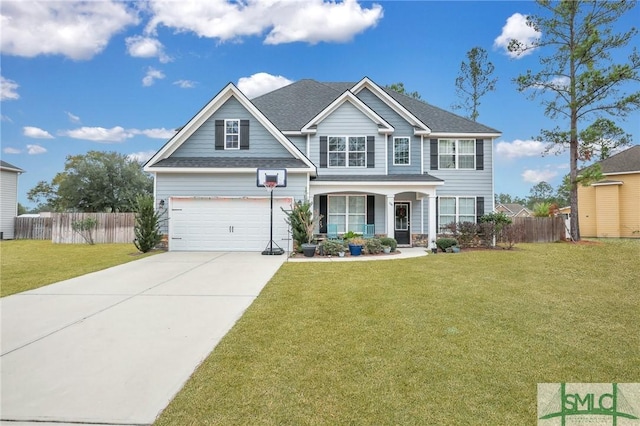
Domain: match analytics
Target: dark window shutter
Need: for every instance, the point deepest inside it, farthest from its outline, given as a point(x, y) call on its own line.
point(244, 134)
point(479, 208)
point(371, 152)
point(371, 209)
point(323, 151)
point(479, 154)
point(219, 134)
point(434, 154)
point(323, 211)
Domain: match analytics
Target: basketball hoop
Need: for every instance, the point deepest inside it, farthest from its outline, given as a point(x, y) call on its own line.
point(269, 186)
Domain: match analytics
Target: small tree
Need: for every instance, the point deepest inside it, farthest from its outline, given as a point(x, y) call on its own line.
point(85, 228)
point(542, 209)
point(147, 224)
point(303, 221)
point(495, 222)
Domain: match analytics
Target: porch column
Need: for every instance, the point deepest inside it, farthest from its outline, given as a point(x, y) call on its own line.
point(432, 218)
point(391, 216)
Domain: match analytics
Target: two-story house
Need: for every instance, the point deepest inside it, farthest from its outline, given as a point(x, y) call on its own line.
point(362, 153)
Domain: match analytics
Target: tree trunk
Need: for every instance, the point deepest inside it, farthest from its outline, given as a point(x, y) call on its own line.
point(573, 143)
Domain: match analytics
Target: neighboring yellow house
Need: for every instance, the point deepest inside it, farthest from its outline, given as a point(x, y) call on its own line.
point(611, 207)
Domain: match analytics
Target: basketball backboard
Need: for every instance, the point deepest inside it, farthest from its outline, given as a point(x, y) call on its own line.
point(279, 176)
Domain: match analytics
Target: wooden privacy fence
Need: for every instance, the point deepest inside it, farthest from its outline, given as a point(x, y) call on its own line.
point(110, 227)
point(541, 229)
point(33, 228)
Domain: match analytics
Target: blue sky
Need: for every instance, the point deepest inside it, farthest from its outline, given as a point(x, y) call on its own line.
point(114, 76)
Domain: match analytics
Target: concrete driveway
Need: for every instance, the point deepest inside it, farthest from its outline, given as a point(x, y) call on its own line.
point(115, 346)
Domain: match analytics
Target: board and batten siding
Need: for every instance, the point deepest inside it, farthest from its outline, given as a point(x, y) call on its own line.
point(222, 185)
point(402, 129)
point(202, 142)
point(347, 120)
point(8, 203)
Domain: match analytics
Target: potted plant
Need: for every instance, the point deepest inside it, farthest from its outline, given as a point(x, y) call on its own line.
point(303, 223)
point(355, 246)
point(386, 249)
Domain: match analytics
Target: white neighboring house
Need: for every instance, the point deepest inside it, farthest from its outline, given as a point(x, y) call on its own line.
point(8, 198)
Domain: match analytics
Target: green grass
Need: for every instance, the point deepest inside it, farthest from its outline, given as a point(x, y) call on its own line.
point(446, 339)
point(29, 264)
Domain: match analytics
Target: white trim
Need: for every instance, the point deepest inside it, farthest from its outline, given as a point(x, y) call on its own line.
point(621, 173)
point(394, 150)
point(207, 112)
point(607, 183)
point(346, 206)
point(348, 96)
point(457, 154)
point(367, 83)
point(216, 170)
point(386, 154)
point(422, 159)
point(231, 134)
point(457, 213)
point(448, 135)
point(347, 152)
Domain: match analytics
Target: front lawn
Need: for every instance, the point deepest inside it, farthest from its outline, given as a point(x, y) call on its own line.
point(445, 339)
point(29, 264)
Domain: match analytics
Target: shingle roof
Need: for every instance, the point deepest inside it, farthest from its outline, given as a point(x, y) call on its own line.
point(230, 162)
point(625, 161)
point(10, 167)
point(382, 178)
point(293, 106)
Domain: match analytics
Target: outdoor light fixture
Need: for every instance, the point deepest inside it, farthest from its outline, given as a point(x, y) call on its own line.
point(161, 204)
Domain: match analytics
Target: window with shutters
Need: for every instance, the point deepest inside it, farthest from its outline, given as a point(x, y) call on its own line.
point(457, 154)
point(231, 134)
point(347, 151)
point(348, 212)
point(455, 210)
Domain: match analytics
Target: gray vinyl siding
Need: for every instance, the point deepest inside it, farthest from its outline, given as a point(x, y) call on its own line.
point(347, 120)
point(416, 212)
point(9, 204)
point(202, 142)
point(300, 142)
point(223, 185)
point(402, 129)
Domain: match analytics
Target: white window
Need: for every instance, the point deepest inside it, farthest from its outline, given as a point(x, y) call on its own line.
point(231, 134)
point(348, 212)
point(347, 151)
point(455, 210)
point(457, 154)
point(401, 151)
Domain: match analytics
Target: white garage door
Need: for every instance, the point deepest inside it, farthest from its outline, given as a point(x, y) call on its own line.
point(226, 224)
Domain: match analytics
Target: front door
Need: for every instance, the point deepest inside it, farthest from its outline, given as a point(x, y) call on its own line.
point(402, 222)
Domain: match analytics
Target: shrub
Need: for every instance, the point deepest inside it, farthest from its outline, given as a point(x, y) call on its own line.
point(466, 233)
point(373, 246)
point(358, 241)
point(302, 221)
point(388, 241)
point(445, 243)
point(349, 235)
point(332, 247)
point(542, 209)
point(147, 224)
point(497, 220)
point(512, 234)
point(85, 228)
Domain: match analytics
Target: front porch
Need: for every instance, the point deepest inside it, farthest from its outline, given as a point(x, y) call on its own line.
point(401, 207)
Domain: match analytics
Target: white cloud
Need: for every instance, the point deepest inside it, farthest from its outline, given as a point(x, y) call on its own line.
point(519, 148)
point(35, 149)
point(151, 77)
point(516, 28)
point(100, 134)
point(72, 117)
point(36, 133)
point(536, 176)
point(185, 84)
point(161, 133)
point(5, 118)
point(8, 89)
point(141, 157)
point(9, 150)
point(261, 83)
point(285, 21)
point(146, 47)
point(75, 29)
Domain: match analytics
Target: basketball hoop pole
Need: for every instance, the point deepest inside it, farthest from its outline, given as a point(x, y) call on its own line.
point(270, 179)
point(269, 186)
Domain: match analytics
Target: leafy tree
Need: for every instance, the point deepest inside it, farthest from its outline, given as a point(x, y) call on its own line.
point(579, 77)
point(85, 228)
point(563, 192)
point(542, 209)
point(474, 81)
point(541, 192)
point(508, 199)
point(147, 224)
point(94, 182)
point(399, 87)
point(21, 209)
point(601, 138)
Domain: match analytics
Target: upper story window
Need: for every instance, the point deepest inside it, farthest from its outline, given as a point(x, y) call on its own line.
point(347, 151)
point(231, 134)
point(457, 154)
point(401, 151)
